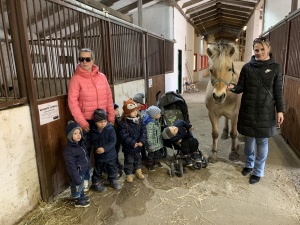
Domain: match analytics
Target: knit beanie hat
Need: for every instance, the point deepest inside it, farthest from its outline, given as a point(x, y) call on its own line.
point(71, 127)
point(116, 106)
point(129, 106)
point(153, 111)
point(166, 134)
point(99, 114)
point(139, 98)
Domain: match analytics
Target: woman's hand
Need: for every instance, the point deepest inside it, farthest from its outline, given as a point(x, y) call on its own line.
point(280, 118)
point(229, 87)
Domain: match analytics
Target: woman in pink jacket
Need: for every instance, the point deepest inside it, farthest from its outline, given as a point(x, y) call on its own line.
point(89, 90)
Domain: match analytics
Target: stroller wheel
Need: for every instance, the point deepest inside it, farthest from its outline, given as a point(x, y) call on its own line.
point(172, 170)
point(204, 162)
point(197, 165)
point(164, 152)
point(180, 169)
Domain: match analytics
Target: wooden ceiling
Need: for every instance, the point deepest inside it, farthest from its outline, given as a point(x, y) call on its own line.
point(222, 18)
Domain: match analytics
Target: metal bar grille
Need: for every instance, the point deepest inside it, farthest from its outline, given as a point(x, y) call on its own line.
point(57, 31)
point(169, 56)
point(155, 56)
point(127, 50)
point(8, 79)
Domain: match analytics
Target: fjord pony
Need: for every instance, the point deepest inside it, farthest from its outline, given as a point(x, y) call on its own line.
point(220, 102)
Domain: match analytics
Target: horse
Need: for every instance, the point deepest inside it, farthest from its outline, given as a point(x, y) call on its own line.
point(219, 101)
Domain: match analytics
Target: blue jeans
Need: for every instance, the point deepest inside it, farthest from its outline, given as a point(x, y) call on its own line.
point(77, 190)
point(109, 167)
point(256, 162)
point(132, 162)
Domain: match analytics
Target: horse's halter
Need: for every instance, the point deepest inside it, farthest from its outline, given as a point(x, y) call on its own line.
point(213, 82)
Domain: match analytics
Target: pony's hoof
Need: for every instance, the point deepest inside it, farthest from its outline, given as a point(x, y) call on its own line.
point(224, 136)
point(212, 159)
point(234, 156)
point(241, 138)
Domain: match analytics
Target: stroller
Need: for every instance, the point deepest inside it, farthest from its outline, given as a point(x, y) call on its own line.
point(173, 107)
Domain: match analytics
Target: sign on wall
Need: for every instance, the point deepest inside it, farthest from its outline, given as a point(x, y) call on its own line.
point(150, 82)
point(48, 112)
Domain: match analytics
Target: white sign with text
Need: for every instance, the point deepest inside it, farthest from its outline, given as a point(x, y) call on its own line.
point(48, 112)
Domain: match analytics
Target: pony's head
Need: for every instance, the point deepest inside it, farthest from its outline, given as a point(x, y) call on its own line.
point(221, 57)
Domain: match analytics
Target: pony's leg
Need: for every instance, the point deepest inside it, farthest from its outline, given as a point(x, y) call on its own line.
point(215, 135)
point(234, 155)
point(225, 129)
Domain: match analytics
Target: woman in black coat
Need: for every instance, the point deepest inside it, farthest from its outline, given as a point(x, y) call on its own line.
point(261, 84)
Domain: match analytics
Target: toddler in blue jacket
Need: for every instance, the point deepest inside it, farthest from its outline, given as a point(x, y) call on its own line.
point(105, 154)
point(77, 163)
point(180, 134)
point(133, 136)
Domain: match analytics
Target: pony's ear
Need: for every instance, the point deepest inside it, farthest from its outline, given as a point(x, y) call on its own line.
point(209, 52)
point(232, 51)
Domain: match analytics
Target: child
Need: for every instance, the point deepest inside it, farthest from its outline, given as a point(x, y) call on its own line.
point(154, 143)
point(133, 136)
point(105, 155)
point(180, 133)
point(77, 163)
point(118, 143)
point(139, 100)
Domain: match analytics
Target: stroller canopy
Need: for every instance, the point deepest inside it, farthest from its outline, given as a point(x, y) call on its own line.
point(172, 102)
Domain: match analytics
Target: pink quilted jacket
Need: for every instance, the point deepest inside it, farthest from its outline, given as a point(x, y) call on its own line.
point(87, 92)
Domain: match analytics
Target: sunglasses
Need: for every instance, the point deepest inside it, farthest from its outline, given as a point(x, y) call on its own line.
point(87, 59)
point(261, 39)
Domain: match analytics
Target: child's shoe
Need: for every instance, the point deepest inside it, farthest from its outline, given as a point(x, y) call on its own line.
point(120, 172)
point(86, 185)
point(139, 174)
point(188, 161)
point(158, 164)
point(82, 203)
point(98, 187)
point(196, 157)
point(115, 185)
point(129, 178)
point(87, 199)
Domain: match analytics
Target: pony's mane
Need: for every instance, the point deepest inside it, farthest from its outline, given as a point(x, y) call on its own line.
point(221, 55)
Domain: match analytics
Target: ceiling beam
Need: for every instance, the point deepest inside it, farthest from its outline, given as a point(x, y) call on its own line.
point(132, 6)
point(99, 6)
point(109, 3)
point(219, 5)
point(192, 16)
point(192, 2)
point(214, 16)
point(226, 26)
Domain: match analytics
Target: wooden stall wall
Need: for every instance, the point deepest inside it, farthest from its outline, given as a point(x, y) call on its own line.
point(291, 126)
point(285, 48)
point(158, 85)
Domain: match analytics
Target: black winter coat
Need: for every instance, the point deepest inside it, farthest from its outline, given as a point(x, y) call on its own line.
point(107, 140)
point(132, 133)
point(257, 111)
point(77, 161)
point(183, 131)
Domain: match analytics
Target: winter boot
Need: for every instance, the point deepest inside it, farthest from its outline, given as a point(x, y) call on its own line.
point(139, 174)
point(129, 178)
